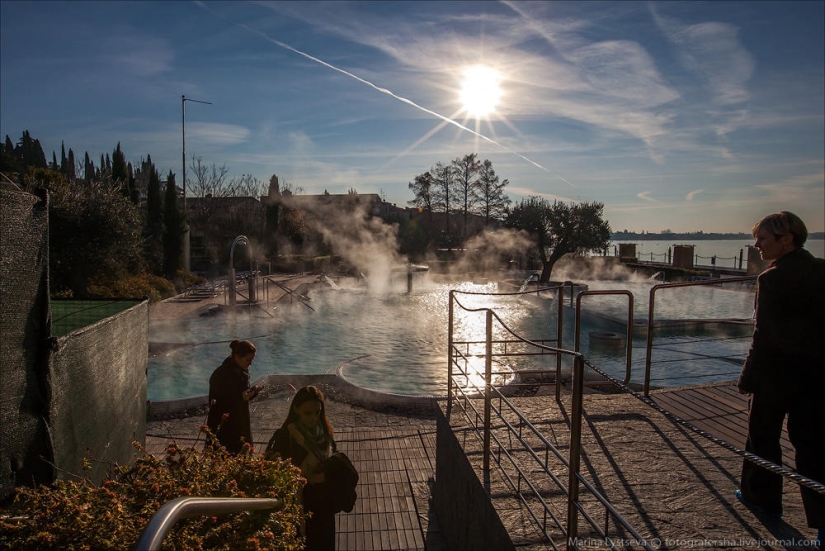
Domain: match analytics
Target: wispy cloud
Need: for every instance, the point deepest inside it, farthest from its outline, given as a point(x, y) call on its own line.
point(645, 196)
point(689, 197)
point(713, 51)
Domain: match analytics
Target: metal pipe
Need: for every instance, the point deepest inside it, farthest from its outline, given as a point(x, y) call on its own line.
point(188, 507)
point(488, 396)
point(186, 254)
point(575, 452)
point(450, 355)
point(629, 332)
point(651, 309)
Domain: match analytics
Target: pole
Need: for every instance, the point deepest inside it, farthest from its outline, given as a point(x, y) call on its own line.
point(186, 255)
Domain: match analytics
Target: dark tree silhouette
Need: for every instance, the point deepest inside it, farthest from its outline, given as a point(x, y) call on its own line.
point(558, 228)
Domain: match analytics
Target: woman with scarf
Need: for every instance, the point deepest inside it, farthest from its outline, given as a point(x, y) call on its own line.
point(306, 439)
point(229, 396)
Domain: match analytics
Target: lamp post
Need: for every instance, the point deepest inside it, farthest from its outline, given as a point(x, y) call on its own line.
point(183, 100)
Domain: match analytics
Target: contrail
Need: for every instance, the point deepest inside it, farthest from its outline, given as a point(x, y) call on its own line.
point(390, 93)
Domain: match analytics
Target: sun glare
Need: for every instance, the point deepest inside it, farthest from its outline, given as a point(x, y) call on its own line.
point(480, 91)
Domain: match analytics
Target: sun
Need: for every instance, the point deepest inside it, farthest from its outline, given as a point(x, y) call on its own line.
point(480, 91)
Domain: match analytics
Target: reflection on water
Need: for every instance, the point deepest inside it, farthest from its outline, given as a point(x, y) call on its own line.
point(393, 343)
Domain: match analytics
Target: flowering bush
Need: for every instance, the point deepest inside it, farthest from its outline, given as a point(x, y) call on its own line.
point(79, 515)
point(132, 286)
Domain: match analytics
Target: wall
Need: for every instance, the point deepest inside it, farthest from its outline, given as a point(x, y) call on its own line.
point(98, 382)
point(60, 396)
point(465, 514)
point(24, 303)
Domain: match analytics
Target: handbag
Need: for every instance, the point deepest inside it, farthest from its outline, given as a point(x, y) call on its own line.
point(340, 475)
point(341, 480)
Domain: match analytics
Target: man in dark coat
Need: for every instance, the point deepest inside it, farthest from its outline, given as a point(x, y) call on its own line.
point(784, 369)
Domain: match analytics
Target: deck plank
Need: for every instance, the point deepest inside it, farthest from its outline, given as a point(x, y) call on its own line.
point(719, 410)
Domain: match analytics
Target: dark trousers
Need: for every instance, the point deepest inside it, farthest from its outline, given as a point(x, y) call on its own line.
point(320, 527)
point(806, 430)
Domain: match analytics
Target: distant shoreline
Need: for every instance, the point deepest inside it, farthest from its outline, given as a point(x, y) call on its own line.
point(698, 236)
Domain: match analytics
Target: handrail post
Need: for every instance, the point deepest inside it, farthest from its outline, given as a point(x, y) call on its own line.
point(450, 356)
point(559, 342)
point(488, 396)
point(649, 351)
point(575, 452)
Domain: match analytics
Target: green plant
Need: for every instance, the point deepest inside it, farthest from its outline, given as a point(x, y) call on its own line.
point(76, 514)
point(132, 286)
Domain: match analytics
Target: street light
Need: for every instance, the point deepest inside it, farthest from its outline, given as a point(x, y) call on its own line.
point(183, 100)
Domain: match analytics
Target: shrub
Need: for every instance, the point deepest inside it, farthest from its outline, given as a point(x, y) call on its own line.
point(132, 286)
point(184, 280)
point(75, 514)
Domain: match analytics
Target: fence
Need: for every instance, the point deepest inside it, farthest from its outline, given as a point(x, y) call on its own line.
point(516, 439)
point(466, 392)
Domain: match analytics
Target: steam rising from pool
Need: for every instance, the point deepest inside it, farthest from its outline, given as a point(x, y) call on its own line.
point(392, 341)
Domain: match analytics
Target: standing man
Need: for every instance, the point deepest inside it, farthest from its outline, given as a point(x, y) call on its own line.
point(785, 371)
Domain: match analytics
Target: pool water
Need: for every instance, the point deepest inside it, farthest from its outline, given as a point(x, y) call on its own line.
point(391, 342)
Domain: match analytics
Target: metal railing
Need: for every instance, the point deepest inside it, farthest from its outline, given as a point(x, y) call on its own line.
point(466, 397)
point(188, 507)
point(651, 324)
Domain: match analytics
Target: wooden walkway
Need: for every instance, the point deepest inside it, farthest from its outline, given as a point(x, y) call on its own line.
point(395, 468)
point(718, 409)
point(395, 457)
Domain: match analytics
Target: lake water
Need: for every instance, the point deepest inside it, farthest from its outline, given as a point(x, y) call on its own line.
point(725, 250)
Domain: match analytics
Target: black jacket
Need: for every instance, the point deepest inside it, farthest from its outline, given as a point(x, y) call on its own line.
point(226, 387)
point(788, 348)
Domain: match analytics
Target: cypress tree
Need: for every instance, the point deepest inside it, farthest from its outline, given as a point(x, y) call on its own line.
point(173, 228)
point(70, 172)
point(89, 168)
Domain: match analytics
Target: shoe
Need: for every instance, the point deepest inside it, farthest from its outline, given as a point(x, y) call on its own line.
point(756, 508)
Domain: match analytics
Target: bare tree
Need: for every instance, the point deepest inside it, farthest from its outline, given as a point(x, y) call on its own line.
point(491, 202)
point(465, 170)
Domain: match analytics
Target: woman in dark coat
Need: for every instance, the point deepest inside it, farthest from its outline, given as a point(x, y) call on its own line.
point(306, 439)
point(229, 396)
point(784, 372)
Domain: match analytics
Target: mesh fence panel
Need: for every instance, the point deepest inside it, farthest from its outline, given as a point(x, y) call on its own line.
point(24, 259)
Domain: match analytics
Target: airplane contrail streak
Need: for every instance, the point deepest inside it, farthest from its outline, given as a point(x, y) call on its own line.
point(382, 90)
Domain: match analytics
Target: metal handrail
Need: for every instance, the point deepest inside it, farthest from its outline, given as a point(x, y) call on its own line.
point(652, 307)
point(629, 337)
point(188, 507)
point(574, 507)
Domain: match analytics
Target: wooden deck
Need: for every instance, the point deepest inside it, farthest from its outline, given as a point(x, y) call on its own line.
point(395, 467)
point(396, 460)
point(718, 409)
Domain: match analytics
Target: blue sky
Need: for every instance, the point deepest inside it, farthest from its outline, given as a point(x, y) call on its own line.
point(680, 115)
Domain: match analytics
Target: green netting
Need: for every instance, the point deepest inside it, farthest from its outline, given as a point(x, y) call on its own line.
point(69, 315)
